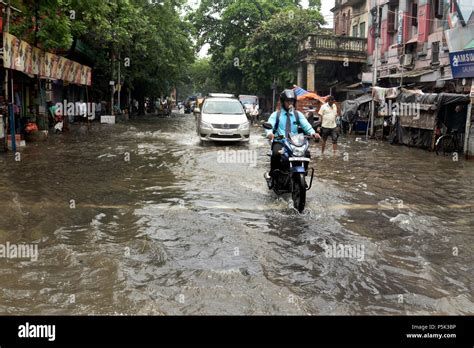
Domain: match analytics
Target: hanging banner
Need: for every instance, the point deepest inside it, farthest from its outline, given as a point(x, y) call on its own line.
point(19, 55)
point(400, 28)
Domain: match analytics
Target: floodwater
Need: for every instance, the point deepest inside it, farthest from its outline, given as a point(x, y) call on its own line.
point(140, 218)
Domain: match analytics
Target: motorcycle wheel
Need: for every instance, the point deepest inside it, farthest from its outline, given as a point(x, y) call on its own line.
point(298, 192)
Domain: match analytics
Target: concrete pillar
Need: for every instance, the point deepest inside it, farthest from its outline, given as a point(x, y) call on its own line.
point(310, 77)
point(300, 77)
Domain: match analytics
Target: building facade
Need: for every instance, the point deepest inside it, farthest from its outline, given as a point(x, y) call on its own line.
point(331, 60)
point(413, 45)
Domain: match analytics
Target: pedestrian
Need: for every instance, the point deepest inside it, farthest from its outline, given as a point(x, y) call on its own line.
point(98, 110)
point(135, 104)
point(328, 113)
point(254, 113)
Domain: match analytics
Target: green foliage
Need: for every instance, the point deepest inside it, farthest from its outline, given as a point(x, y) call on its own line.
point(272, 49)
point(251, 41)
point(151, 35)
point(203, 77)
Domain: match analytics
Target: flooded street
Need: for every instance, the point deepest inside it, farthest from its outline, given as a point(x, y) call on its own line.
point(140, 218)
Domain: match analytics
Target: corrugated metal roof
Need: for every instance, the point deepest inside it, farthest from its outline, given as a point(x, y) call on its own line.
point(411, 73)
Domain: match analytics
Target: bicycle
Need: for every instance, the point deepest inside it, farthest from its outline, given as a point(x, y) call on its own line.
point(447, 143)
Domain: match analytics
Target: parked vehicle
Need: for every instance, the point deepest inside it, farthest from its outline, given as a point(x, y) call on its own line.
point(251, 105)
point(291, 175)
point(448, 143)
point(222, 119)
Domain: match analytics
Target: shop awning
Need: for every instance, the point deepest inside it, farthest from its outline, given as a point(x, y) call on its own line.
point(470, 45)
point(408, 74)
point(355, 85)
point(412, 40)
point(21, 56)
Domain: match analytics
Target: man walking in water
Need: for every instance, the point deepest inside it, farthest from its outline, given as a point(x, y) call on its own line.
point(328, 113)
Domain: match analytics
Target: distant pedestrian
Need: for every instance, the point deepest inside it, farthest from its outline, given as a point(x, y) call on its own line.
point(98, 110)
point(328, 113)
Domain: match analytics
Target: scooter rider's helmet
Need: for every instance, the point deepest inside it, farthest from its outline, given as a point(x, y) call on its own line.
point(287, 94)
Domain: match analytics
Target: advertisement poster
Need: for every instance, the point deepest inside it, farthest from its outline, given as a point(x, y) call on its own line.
point(19, 55)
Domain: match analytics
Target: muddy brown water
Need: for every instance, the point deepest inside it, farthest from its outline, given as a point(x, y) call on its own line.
point(140, 218)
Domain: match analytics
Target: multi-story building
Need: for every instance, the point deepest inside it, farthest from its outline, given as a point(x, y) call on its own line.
point(351, 18)
point(330, 61)
point(413, 47)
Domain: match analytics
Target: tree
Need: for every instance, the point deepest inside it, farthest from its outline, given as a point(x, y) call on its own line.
point(152, 36)
point(271, 50)
point(253, 41)
point(227, 25)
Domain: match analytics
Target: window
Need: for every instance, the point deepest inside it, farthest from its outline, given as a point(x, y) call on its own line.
point(343, 29)
point(439, 9)
point(223, 107)
point(355, 31)
point(362, 29)
point(392, 20)
point(414, 15)
point(435, 52)
point(348, 30)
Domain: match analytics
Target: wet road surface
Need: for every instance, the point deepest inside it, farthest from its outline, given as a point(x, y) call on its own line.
point(140, 218)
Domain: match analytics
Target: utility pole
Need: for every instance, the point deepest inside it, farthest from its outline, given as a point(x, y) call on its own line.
point(7, 29)
point(274, 88)
point(112, 83)
point(400, 41)
point(10, 111)
point(376, 22)
point(119, 84)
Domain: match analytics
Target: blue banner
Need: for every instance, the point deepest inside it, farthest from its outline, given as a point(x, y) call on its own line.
point(462, 64)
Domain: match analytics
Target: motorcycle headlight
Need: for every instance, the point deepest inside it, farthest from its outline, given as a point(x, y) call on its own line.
point(244, 125)
point(298, 151)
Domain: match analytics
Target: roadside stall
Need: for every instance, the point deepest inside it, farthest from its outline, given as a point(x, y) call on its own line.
point(422, 118)
point(355, 114)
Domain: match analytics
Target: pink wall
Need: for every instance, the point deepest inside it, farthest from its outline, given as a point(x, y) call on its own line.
point(424, 22)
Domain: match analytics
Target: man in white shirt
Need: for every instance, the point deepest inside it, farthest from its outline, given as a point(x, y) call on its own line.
point(328, 113)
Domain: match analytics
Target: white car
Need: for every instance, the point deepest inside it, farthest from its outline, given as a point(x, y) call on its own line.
point(222, 118)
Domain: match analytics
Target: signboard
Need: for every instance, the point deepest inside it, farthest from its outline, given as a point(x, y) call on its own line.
point(107, 119)
point(400, 28)
point(19, 55)
point(462, 64)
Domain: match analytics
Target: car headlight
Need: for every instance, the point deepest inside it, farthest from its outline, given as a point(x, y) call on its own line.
point(244, 125)
point(205, 125)
point(298, 151)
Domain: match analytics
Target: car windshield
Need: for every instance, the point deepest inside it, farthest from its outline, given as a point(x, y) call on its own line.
point(222, 107)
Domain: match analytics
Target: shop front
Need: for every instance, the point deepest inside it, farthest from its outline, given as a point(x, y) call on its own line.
point(36, 80)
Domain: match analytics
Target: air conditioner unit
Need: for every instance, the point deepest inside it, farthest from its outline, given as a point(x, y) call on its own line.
point(407, 59)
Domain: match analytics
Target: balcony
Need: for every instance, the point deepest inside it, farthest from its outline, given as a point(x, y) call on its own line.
point(317, 47)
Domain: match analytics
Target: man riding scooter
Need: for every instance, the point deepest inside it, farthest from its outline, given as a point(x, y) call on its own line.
point(285, 121)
